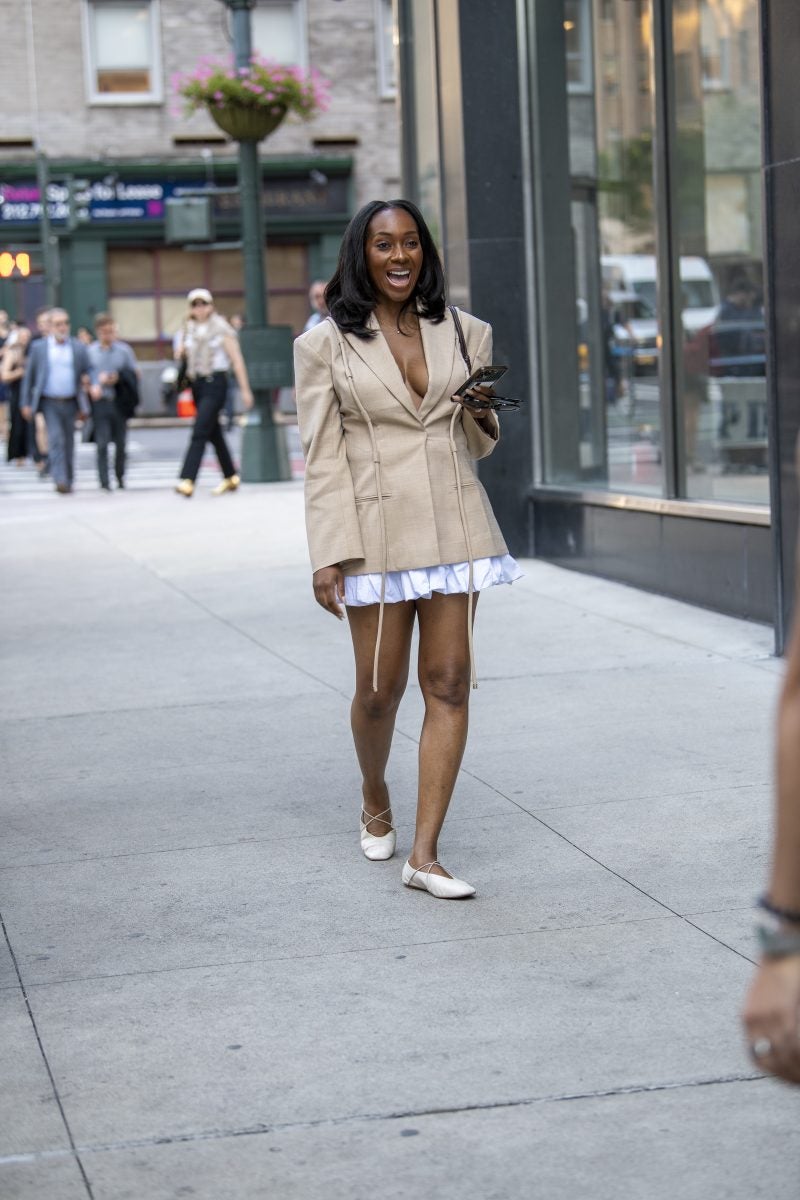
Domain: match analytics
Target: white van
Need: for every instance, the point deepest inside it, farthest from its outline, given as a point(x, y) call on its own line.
point(637, 273)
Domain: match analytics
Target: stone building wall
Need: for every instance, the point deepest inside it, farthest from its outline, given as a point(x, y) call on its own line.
point(342, 44)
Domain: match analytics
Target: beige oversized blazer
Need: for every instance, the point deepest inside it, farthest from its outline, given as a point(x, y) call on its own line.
point(389, 488)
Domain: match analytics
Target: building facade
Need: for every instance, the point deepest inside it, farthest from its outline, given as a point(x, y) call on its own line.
point(89, 87)
point(603, 175)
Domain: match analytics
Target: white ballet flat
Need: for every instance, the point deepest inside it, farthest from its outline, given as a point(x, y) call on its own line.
point(438, 885)
point(377, 848)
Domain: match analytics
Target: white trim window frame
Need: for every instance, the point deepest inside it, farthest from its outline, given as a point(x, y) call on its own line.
point(300, 23)
point(155, 93)
point(385, 49)
point(584, 83)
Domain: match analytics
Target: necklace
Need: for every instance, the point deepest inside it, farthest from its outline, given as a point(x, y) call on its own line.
point(397, 329)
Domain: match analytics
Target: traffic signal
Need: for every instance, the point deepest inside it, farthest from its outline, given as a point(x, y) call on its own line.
point(14, 263)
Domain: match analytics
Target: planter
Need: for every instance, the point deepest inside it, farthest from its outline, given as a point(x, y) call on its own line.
point(246, 124)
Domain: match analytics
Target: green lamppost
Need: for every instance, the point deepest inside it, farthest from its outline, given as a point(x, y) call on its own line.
point(266, 351)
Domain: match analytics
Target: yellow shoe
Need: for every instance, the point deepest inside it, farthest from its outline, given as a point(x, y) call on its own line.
point(229, 484)
point(185, 487)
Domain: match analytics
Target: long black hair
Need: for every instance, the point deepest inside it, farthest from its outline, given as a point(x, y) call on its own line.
point(351, 296)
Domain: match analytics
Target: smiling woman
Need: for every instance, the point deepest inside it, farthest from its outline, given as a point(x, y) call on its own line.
point(399, 528)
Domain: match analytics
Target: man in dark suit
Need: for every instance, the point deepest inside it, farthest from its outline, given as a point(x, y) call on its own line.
point(55, 382)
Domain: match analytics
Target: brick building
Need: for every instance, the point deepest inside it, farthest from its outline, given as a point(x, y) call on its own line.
point(89, 85)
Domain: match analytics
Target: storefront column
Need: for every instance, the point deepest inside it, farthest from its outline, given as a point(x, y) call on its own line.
point(781, 90)
point(555, 258)
point(84, 290)
point(483, 222)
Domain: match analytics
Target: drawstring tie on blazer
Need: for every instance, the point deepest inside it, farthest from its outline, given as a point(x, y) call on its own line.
point(376, 463)
point(473, 675)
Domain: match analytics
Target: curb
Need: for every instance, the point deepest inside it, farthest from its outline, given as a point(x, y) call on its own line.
point(185, 422)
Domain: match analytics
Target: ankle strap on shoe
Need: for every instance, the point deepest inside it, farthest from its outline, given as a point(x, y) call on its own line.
point(424, 870)
point(367, 817)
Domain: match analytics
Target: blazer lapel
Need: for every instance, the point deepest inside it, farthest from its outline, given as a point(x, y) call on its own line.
point(439, 344)
point(375, 353)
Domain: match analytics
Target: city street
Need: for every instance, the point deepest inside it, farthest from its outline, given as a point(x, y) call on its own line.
point(206, 990)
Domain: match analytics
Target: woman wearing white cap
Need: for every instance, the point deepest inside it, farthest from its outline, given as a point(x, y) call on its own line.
point(212, 350)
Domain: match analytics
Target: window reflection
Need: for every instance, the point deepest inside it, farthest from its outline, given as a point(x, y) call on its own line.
point(723, 392)
point(719, 351)
point(614, 232)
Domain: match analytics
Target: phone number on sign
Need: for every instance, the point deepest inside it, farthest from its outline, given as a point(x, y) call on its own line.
point(31, 212)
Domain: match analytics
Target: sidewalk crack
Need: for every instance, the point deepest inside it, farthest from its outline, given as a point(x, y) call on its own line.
point(74, 1152)
point(207, 1135)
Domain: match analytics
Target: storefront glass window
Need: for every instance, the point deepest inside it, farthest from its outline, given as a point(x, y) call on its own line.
point(611, 128)
point(722, 386)
point(147, 289)
point(135, 317)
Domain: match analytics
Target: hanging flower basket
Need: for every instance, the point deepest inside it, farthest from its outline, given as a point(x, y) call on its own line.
point(247, 124)
point(249, 103)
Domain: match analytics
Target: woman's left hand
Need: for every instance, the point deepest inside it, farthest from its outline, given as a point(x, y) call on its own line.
point(247, 399)
point(475, 400)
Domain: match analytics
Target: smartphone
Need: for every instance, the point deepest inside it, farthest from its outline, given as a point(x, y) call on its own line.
point(484, 376)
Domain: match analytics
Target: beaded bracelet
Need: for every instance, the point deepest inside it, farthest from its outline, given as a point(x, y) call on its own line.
point(786, 914)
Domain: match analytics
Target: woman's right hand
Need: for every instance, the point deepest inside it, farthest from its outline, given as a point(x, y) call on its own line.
point(771, 1011)
point(329, 589)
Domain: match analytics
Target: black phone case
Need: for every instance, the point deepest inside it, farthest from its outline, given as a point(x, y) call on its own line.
point(476, 379)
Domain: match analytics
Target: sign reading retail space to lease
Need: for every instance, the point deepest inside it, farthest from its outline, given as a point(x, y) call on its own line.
point(139, 200)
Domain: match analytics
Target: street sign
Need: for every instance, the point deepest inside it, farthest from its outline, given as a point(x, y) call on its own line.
point(268, 354)
point(189, 219)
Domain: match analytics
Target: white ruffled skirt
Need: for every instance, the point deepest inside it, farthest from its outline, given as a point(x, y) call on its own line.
point(422, 582)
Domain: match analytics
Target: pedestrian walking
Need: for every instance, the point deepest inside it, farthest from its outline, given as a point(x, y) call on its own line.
point(772, 1009)
point(55, 382)
point(5, 399)
point(211, 349)
point(111, 363)
point(400, 530)
point(11, 372)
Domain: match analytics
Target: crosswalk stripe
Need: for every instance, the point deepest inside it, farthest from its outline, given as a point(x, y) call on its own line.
point(142, 471)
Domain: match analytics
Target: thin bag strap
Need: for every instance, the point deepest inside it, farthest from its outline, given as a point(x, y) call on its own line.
point(462, 341)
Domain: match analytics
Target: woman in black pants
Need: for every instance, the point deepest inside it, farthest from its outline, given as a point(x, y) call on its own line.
point(212, 350)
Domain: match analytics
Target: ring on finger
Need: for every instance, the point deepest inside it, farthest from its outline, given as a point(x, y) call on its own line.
point(761, 1047)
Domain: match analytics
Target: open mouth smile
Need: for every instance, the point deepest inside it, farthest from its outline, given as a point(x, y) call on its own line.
point(399, 278)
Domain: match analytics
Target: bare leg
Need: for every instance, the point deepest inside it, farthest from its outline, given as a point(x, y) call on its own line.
point(445, 683)
point(372, 714)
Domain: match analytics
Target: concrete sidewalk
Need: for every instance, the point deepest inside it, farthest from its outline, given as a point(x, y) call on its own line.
point(207, 991)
